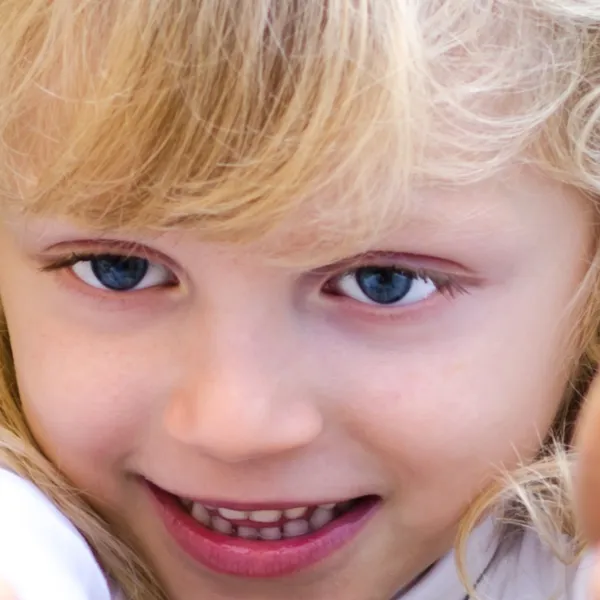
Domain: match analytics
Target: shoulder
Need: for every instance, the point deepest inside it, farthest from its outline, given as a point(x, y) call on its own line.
point(41, 550)
point(525, 568)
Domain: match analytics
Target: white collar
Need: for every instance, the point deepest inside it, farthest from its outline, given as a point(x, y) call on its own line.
point(442, 580)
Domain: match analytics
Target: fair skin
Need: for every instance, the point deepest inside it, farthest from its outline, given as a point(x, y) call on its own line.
point(251, 382)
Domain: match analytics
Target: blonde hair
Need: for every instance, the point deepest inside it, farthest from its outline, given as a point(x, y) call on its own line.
point(229, 116)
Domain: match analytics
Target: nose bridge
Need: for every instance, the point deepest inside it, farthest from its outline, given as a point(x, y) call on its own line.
point(241, 395)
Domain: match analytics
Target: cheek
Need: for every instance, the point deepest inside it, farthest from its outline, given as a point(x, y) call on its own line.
point(444, 419)
point(87, 398)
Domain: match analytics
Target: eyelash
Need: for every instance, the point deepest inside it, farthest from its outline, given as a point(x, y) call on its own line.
point(65, 262)
point(73, 259)
point(445, 285)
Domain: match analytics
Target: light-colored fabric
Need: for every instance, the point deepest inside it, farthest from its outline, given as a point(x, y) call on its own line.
point(42, 555)
point(520, 568)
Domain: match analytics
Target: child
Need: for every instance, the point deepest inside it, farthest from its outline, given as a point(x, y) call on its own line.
point(296, 296)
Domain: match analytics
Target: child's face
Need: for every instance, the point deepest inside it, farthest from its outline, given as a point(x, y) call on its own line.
point(250, 385)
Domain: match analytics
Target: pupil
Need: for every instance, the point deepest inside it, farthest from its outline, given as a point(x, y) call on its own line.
point(119, 273)
point(383, 285)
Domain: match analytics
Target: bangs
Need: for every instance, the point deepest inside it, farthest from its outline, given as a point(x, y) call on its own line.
point(229, 116)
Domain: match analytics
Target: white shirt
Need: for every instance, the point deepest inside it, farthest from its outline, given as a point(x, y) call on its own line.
point(42, 556)
point(523, 569)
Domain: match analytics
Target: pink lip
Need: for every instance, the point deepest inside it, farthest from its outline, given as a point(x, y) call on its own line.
point(259, 559)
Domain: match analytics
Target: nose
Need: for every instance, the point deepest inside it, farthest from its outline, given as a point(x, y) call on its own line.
point(241, 402)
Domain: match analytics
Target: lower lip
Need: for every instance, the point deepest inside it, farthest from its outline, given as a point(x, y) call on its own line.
point(259, 559)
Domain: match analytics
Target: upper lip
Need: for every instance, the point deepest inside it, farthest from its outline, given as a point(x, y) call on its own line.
point(259, 504)
point(252, 506)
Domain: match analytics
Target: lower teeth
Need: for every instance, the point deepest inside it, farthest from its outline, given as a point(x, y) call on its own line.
point(222, 525)
point(270, 533)
point(247, 533)
point(291, 529)
point(295, 528)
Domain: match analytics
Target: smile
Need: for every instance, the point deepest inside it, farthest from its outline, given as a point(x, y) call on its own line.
point(269, 524)
point(262, 541)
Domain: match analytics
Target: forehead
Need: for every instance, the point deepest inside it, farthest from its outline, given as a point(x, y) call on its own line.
point(518, 199)
point(182, 125)
point(519, 204)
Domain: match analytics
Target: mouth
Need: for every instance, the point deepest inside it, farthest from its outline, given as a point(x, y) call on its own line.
point(262, 541)
point(268, 524)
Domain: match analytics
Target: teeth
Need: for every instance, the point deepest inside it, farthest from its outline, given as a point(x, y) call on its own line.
point(295, 528)
point(270, 533)
point(295, 513)
point(221, 525)
point(321, 517)
point(233, 515)
point(248, 533)
point(265, 516)
point(200, 513)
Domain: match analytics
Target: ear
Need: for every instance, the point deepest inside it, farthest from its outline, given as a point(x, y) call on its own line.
point(587, 477)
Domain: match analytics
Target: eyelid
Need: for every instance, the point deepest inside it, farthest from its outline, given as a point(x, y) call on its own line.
point(83, 248)
point(448, 276)
point(402, 261)
point(64, 269)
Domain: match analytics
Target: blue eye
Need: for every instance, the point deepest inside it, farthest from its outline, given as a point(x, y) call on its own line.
point(385, 286)
point(121, 273)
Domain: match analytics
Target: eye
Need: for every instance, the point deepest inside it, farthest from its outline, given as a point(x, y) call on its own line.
point(120, 273)
point(386, 286)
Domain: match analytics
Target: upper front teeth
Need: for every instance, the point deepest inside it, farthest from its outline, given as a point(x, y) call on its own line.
point(295, 513)
point(265, 516)
point(262, 516)
point(235, 515)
